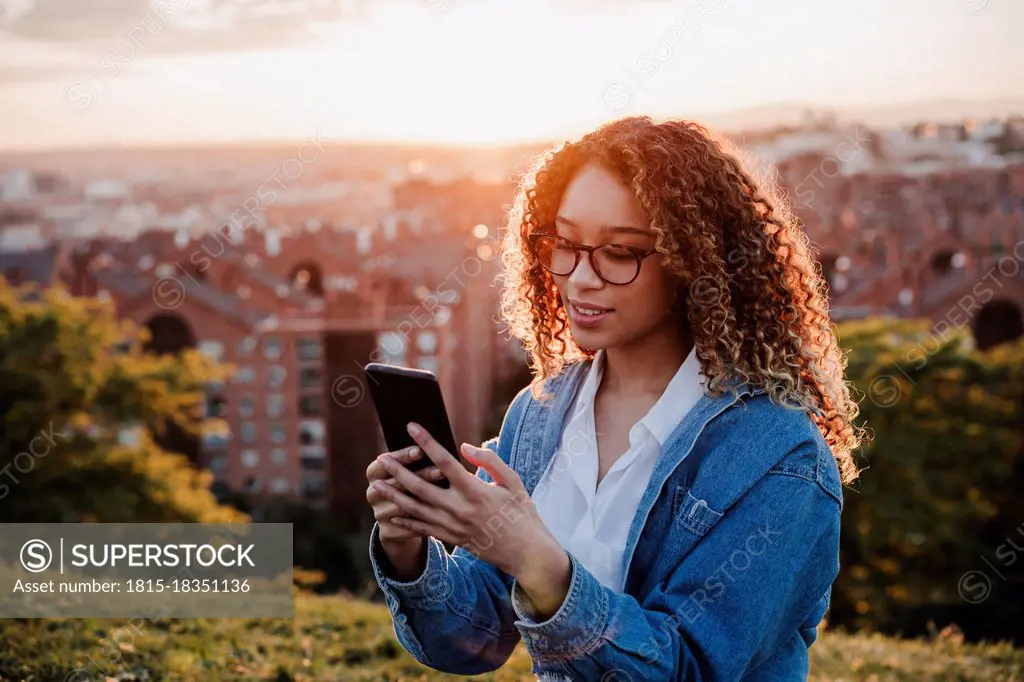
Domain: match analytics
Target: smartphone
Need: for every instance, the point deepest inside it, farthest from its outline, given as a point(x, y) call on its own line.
point(405, 394)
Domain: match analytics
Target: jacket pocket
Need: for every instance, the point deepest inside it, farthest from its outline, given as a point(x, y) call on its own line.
point(692, 513)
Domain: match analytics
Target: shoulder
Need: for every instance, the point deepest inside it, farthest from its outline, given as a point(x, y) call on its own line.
point(551, 387)
point(526, 408)
point(786, 437)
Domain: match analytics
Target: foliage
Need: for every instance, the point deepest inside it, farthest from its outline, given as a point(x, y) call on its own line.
point(936, 500)
point(80, 404)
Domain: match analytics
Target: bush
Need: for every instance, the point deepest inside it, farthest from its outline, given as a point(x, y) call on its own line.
point(925, 529)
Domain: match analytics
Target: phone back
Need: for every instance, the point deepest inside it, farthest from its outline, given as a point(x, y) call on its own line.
point(405, 394)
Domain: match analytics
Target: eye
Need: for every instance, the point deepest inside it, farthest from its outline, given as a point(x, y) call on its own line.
point(617, 253)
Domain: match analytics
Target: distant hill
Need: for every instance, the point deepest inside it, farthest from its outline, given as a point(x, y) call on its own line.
point(887, 116)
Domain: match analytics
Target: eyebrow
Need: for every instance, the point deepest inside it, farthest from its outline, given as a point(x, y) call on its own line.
point(614, 229)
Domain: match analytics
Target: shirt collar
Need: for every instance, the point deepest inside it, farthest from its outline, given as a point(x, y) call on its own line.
point(588, 391)
point(681, 394)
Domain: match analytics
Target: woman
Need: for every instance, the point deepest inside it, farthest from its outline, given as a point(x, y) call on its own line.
point(663, 501)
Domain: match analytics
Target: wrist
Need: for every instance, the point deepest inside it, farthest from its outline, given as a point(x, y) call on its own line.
point(407, 557)
point(545, 580)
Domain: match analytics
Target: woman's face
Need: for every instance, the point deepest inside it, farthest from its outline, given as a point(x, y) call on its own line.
point(598, 209)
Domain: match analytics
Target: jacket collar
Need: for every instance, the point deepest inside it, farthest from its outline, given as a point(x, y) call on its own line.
point(543, 422)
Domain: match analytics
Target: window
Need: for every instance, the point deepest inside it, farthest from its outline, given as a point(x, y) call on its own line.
point(279, 485)
point(276, 376)
point(245, 375)
point(278, 456)
point(130, 436)
point(246, 406)
point(313, 463)
point(309, 406)
point(314, 484)
point(250, 458)
point(428, 363)
point(215, 406)
point(211, 348)
point(249, 432)
point(215, 435)
point(246, 345)
point(427, 342)
point(308, 348)
point(218, 464)
point(311, 432)
point(275, 405)
point(309, 377)
point(392, 346)
point(278, 433)
point(272, 348)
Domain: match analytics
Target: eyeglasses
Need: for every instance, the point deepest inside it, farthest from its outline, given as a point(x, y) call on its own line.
point(614, 263)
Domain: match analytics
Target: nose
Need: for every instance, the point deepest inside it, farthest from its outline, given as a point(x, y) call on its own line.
point(584, 277)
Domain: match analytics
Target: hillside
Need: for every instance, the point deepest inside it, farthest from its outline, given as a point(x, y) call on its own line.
point(343, 638)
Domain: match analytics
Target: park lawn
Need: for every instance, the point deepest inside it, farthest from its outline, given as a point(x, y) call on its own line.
point(346, 638)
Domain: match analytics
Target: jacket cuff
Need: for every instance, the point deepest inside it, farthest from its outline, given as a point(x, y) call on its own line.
point(428, 590)
point(574, 629)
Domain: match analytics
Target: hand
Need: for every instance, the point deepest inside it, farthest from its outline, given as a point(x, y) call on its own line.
point(497, 521)
point(383, 509)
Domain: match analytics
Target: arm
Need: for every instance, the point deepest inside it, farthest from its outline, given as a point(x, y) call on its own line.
point(741, 592)
point(457, 612)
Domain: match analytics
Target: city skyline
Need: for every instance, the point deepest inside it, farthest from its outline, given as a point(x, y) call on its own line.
point(136, 73)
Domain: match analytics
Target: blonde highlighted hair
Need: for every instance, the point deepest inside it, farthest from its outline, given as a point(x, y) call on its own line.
point(755, 299)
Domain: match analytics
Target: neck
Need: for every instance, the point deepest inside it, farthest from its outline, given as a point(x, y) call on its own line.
point(647, 365)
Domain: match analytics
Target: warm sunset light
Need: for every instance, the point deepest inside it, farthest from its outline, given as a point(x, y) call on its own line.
point(599, 340)
point(483, 72)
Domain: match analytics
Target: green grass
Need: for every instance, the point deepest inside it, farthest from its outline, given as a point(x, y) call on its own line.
point(344, 638)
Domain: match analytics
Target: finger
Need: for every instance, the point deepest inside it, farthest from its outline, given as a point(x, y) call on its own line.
point(392, 531)
point(444, 460)
point(429, 494)
point(420, 527)
point(410, 506)
point(384, 510)
point(403, 456)
point(430, 473)
point(489, 460)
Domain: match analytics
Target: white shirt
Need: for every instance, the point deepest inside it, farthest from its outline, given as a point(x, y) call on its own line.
point(593, 521)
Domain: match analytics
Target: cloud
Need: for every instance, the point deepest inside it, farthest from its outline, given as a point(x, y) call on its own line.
point(176, 26)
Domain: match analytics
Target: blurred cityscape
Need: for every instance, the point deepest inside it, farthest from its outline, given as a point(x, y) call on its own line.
point(299, 264)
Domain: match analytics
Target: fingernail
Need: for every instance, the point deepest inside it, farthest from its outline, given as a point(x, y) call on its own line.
point(414, 453)
point(468, 449)
point(414, 429)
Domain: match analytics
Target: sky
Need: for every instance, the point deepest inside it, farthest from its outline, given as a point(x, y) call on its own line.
point(77, 73)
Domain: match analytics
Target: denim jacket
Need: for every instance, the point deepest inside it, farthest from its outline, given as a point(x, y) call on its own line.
point(729, 561)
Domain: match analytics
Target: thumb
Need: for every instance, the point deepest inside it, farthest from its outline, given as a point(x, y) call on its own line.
point(489, 460)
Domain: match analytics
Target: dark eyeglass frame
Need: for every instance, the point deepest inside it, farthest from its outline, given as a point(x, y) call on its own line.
point(577, 248)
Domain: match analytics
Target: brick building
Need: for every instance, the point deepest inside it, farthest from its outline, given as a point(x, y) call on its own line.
point(297, 315)
point(946, 243)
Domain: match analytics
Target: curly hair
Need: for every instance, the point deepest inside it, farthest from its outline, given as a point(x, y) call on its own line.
point(756, 306)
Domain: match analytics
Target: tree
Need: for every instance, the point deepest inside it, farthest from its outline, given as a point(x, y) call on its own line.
point(923, 526)
point(80, 403)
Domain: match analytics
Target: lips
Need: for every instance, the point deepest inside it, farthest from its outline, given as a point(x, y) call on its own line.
point(589, 308)
point(587, 317)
